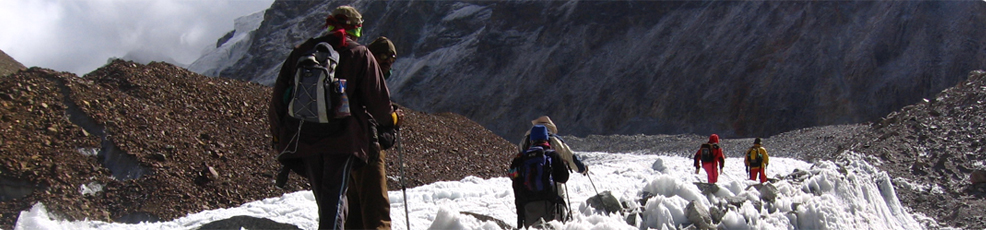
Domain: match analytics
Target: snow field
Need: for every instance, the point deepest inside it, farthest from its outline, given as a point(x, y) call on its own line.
point(826, 195)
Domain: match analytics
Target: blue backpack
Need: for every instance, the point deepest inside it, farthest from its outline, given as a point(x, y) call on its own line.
point(535, 170)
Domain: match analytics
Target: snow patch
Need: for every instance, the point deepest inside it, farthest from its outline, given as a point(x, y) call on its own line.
point(907, 183)
point(464, 10)
point(90, 189)
point(89, 151)
point(215, 60)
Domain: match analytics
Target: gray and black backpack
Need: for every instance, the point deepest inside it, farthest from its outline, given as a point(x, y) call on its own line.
point(317, 95)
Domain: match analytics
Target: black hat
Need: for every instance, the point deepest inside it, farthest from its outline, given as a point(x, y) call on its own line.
point(756, 141)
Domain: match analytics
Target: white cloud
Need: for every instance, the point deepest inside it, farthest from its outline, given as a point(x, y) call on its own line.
point(79, 36)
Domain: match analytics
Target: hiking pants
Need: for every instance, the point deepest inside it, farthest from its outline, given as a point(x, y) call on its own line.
point(710, 168)
point(755, 171)
point(369, 206)
point(536, 211)
point(328, 175)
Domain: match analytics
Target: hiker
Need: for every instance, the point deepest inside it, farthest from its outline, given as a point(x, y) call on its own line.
point(533, 173)
point(756, 161)
point(385, 53)
point(573, 162)
point(710, 155)
point(325, 136)
point(369, 204)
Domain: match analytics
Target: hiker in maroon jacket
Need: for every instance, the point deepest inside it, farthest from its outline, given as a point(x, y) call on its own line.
point(369, 203)
point(326, 153)
point(710, 156)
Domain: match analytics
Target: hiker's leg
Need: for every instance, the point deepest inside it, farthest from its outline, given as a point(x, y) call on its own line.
point(710, 170)
point(715, 175)
point(376, 203)
point(355, 218)
point(763, 176)
point(329, 178)
point(753, 174)
point(535, 210)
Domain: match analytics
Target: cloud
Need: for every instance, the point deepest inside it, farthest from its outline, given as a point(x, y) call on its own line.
point(80, 36)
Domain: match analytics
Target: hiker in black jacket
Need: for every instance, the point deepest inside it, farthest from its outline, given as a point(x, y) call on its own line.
point(534, 173)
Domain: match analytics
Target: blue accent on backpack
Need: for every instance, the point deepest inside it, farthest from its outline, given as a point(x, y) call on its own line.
point(536, 170)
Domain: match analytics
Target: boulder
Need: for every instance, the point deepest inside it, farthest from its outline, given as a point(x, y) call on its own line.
point(978, 177)
point(699, 215)
point(605, 201)
point(707, 188)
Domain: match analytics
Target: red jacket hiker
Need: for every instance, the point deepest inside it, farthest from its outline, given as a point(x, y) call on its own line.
point(714, 160)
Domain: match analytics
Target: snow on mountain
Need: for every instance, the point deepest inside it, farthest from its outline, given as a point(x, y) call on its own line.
point(655, 190)
point(227, 53)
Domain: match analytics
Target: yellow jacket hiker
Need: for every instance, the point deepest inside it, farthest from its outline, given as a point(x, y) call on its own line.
point(756, 161)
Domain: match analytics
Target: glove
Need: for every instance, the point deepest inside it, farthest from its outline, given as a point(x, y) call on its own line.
point(720, 171)
point(386, 136)
point(397, 116)
point(581, 168)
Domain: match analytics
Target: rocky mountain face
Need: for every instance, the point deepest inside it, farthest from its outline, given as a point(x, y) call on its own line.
point(739, 69)
point(130, 142)
point(8, 65)
point(936, 150)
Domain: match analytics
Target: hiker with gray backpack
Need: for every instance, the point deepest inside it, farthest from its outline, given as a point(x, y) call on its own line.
point(327, 93)
point(534, 173)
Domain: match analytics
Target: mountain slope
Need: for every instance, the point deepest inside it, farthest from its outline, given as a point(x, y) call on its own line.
point(8, 65)
point(654, 67)
point(130, 142)
point(934, 149)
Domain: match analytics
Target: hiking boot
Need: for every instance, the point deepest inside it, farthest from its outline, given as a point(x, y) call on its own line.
point(282, 177)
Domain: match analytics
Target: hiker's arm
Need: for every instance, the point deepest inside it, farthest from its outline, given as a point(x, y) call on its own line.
point(373, 89)
point(766, 158)
point(722, 159)
point(564, 152)
point(697, 157)
point(276, 107)
point(559, 175)
point(579, 166)
point(512, 170)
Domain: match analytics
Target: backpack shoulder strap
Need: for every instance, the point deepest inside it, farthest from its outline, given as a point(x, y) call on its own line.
point(557, 137)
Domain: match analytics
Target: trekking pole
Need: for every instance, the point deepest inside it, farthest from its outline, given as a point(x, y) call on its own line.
point(593, 184)
point(569, 205)
point(400, 160)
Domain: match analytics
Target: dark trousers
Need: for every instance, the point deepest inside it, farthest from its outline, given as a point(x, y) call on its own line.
point(329, 178)
point(369, 204)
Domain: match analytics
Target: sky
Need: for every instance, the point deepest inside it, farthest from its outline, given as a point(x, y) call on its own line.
point(854, 195)
point(79, 36)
